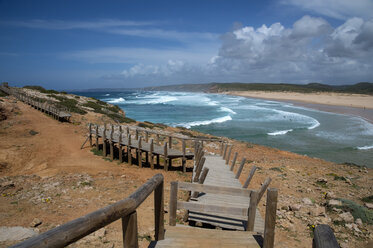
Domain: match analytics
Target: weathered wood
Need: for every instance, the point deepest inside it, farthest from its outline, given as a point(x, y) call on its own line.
point(212, 189)
point(170, 141)
point(151, 154)
point(120, 145)
point(157, 139)
point(234, 161)
point(129, 227)
point(129, 153)
point(270, 218)
point(136, 134)
point(238, 174)
point(205, 208)
point(97, 137)
point(201, 181)
point(225, 151)
point(74, 230)
point(139, 153)
point(199, 169)
point(146, 136)
point(90, 134)
point(323, 237)
point(104, 142)
point(264, 188)
point(252, 211)
point(159, 212)
point(173, 203)
point(183, 159)
point(165, 156)
point(221, 148)
point(250, 176)
point(111, 144)
point(229, 155)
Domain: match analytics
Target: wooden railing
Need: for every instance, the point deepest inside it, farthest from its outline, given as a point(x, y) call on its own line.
point(323, 237)
point(125, 209)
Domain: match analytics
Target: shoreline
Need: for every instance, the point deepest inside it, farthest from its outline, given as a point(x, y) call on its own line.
point(353, 105)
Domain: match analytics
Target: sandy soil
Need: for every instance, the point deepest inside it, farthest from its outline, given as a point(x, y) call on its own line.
point(348, 100)
point(43, 160)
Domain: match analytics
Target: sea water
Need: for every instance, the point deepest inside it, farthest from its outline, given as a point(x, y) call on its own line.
point(334, 137)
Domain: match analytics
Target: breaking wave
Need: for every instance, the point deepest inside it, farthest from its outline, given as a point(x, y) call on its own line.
point(280, 132)
point(207, 122)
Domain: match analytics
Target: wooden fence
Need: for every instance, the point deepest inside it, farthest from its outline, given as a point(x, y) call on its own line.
point(125, 209)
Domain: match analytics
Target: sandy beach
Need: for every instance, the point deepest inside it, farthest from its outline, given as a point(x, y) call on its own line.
point(350, 104)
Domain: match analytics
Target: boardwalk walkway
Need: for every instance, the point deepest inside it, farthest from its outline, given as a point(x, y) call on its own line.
point(220, 175)
point(61, 114)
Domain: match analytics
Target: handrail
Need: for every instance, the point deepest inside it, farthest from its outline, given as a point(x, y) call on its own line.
point(126, 209)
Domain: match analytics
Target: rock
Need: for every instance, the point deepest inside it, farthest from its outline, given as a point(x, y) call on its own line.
point(286, 208)
point(344, 245)
point(334, 203)
point(309, 190)
point(318, 211)
point(338, 210)
point(347, 217)
point(322, 180)
point(358, 222)
point(7, 185)
point(100, 233)
point(35, 222)
point(288, 226)
point(295, 207)
point(307, 201)
point(348, 181)
point(330, 195)
point(16, 233)
point(369, 205)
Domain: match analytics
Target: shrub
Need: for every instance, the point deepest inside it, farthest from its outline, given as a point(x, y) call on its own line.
point(357, 211)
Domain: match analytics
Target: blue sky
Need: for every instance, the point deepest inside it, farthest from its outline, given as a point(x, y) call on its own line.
point(97, 44)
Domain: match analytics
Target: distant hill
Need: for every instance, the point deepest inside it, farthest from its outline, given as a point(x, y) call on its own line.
point(359, 88)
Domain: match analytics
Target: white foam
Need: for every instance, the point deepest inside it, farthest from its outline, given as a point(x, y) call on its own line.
point(315, 125)
point(107, 95)
point(225, 109)
point(365, 147)
point(117, 100)
point(207, 122)
point(280, 132)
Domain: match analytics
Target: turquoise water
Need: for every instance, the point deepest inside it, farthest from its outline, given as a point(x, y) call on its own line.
point(334, 137)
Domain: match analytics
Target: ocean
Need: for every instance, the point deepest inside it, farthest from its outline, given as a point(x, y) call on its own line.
point(333, 137)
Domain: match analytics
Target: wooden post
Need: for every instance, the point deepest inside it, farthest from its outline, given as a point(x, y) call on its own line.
point(120, 145)
point(199, 169)
point(157, 139)
point(222, 148)
point(159, 212)
point(323, 237)
point(170, 142)
point(97, 137)
point(128, 130)
point(238, 174)
point(195, 147)
point(151, 154)
point(136, 134)
point(158, 159)
point(146, 136)
point(104, 141)
point(234, 161)
point(111, 143)
point(264, 188)
point(270, 218)
point(248, 180)
point(165, 156)
point(229, 155)
point(201, 180)
point(129, 228)
point(173, 203)
point(139, 152)
point(183, 160)
point(252, 211)
point(90, 134)
point(225, 151)
point(129, 154)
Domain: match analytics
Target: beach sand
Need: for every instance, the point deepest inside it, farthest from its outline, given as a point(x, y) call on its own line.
point(350, 104)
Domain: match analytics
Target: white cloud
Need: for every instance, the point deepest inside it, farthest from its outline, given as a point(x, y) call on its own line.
point(312, 50)
point(339, 9)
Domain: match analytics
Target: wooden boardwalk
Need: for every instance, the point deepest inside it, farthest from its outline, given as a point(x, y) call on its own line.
point(61, 114)
point(219, 174)
point(123, 139)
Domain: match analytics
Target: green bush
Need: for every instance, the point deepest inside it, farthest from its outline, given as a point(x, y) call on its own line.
point(357, 211)
point(368, 199)
point(114, 108)
point(71, 105)
point(40, 89)
point(145, 125)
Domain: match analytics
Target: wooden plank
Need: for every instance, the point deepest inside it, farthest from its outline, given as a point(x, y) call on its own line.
point(159, 212)
point(323, 237)
point(252, 211)
point(201, 180)
point(214, 209)
point(214, 189)
point(270, 218)
point(234, 161)
point(250, 176)
point(173, 203)
point(129, 227)
point(264, 188)
point(239, 171)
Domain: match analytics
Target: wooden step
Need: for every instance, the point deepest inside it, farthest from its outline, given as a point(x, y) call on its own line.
point(184, 236)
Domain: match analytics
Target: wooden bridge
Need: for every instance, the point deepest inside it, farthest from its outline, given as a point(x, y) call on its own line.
point(122, 141)
point(61, 114)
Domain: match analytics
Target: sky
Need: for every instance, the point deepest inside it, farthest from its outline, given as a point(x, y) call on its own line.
point(129, 44)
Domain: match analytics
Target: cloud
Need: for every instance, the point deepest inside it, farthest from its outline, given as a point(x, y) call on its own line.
point(311, 50)
point(339, 9)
